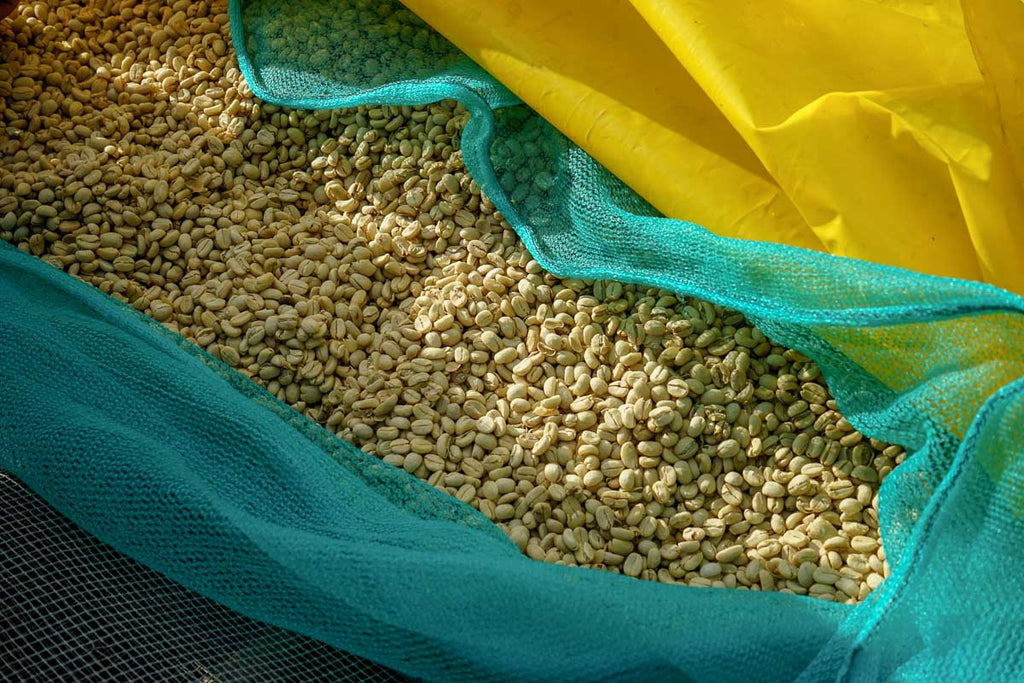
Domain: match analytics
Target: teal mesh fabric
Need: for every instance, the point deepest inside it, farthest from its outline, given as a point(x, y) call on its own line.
point(179, 462)
point(76, 610)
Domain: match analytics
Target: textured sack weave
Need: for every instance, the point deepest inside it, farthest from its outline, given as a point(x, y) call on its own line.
point(189, 468)
point(74, 609)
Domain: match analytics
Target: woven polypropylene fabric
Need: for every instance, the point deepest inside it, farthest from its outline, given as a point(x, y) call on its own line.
point(194, 471)
point(74, 609)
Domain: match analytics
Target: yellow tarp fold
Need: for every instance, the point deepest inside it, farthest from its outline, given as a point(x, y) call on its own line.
point(887, 130)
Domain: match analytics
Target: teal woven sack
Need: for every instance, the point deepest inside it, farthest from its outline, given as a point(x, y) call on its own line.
point(178, 461)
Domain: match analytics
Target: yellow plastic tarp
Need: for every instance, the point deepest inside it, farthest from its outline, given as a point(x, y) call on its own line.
point(887, 130)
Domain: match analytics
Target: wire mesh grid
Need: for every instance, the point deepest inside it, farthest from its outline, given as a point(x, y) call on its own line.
point(74, 609)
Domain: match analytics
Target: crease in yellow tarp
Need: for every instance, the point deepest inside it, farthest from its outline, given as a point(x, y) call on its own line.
point(887, 130)
point(596, 120)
